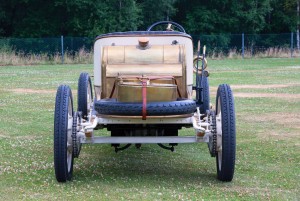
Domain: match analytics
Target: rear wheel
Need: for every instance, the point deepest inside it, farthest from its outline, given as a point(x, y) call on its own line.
point(63, 122)
point(85, 94)
point(226, 133)
point(75, 128)
point(206, 100)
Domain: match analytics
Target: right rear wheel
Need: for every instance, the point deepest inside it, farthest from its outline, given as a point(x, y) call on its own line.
point(85, 94)
point(226, 133)
point(206, 100)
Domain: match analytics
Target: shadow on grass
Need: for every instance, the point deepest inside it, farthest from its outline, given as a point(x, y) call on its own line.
point(147, 166)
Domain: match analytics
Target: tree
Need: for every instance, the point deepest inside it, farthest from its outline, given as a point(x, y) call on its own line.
point(291, 6)
point(90, 18)
point(225, 16)
point(252, 15)
point(153, 11)
point(37, 18)
point(24, 18)
point(117, 15)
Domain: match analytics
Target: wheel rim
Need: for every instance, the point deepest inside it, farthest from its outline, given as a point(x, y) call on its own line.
point(69, 137)
point(219, 134)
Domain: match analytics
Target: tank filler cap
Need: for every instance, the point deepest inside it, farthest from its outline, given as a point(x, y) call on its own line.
point(143, 42)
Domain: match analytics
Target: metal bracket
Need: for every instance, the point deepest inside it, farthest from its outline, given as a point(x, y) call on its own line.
point(121, 148)
point(168, 148)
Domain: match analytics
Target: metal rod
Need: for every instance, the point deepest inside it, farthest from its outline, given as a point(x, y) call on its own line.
point(62, 49)
point(198, 96)
point(292, 44)
point(243, 45)
point(202, 74)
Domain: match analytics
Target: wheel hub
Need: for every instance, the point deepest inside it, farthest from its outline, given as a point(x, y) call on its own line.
point(212, 144)
point(76, 144)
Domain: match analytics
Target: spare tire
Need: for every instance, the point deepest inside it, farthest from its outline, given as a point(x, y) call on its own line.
point(112, 107)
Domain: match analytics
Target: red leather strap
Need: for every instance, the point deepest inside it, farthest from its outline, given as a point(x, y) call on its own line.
point(144, 96)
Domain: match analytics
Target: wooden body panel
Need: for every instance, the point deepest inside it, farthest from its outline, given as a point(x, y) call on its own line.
point(155, 92)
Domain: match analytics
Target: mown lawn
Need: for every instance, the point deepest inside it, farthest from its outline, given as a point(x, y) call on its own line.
point(267, 94)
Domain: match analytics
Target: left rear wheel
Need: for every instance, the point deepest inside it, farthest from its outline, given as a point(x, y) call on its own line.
point(63, 122)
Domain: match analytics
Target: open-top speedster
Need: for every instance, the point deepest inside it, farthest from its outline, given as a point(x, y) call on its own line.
point(143, 93)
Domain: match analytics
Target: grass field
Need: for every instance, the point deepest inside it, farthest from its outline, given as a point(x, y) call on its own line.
point(267, 99)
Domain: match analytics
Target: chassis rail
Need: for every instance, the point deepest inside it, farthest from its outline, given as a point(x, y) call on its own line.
point(143, 140)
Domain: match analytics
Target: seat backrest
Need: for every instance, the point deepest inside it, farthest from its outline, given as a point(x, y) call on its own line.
point(157, 60)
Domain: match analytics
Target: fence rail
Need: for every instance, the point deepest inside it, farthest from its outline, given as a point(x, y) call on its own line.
point(223, 44)
point(252, 43)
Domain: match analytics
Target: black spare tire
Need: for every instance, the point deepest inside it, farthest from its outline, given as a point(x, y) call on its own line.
point(112, 107)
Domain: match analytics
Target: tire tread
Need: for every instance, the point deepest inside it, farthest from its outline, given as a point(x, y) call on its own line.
point(60, 130)
point(228, 133)
point(83, 82)
point(153, 108)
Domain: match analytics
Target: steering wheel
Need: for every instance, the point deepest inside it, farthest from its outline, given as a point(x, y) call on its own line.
point(170, 23)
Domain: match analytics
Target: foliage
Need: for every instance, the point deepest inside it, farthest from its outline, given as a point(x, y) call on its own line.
point(226, 16)
point(36, 18)
point(283, 16)
point(97, 17)
point(153, 12)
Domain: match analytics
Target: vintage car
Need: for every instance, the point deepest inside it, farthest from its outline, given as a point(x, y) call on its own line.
point(147, 86)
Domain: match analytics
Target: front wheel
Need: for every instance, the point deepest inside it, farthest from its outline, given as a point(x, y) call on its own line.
point(63, 122)
point(226, 133)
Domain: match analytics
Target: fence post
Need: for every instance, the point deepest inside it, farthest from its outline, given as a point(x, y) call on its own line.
point(292, 44)
point(243, 45)
point(62, 49)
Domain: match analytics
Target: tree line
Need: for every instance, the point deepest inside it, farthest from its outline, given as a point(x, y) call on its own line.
point(37, 18)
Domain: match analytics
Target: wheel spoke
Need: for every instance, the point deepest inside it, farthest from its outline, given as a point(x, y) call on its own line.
point(88, 98)
point(69, 159)
point(69, 136)
point(219, 138)
point(220, 160)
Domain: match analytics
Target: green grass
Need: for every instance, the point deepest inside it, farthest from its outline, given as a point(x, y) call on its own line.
point(268, 142)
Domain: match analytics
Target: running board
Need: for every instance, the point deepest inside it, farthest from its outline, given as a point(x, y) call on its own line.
point(142, 140)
